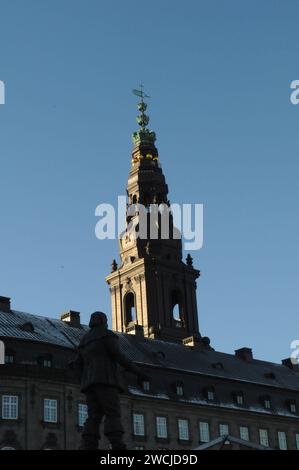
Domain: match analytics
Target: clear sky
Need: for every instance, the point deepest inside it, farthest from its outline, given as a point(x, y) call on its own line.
point(219, 74)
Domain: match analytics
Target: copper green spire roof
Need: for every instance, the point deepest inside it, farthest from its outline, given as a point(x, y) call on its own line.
point(143, 135)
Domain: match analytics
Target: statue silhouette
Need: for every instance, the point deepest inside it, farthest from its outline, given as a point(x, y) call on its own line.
point(97, 363)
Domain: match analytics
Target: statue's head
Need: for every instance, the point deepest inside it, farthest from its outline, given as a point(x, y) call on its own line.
point(98, 319)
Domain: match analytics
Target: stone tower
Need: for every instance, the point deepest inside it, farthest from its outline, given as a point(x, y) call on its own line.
point(153, 292)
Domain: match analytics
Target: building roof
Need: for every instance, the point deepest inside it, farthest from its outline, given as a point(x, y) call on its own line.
point(15, 324)
point(155, 353)
point(209, 362)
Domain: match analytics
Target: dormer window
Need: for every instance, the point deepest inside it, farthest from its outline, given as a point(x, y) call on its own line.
point(179, 389)
point(9, 356)
point(292, 406)
point(269, 375)
point(9, 359)
point(218, 366)
point(28, 326)
point(266, 401)
point(45, 361)
point(209, 393)
point(146, 385)
point(159, 355)
point(239, 398)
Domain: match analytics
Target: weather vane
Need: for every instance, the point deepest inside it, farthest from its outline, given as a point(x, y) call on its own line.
point(143, 135)
point(140, 92)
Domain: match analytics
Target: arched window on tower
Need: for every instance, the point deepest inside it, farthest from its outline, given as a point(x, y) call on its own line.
point(130, 308)
point(177, 308)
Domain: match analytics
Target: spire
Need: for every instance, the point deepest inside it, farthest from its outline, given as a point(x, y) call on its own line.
point(152, 287)
point(143, 135)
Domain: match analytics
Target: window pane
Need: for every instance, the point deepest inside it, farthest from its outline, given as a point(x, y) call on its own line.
point(223, 429)
point(161, 426)
point(9, 407)
point(282, 440)
point(264, 440)
point(297, 441)
point(183, 426)
point(82, 414)
point(138, 424)
point(244, 433)
point(204, 432)
point(50, 410)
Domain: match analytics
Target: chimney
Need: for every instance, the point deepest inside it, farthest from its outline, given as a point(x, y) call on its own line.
point(244, 353)
point(135, 330)
point(72, 318)
point(290, 363)
point(5, 304)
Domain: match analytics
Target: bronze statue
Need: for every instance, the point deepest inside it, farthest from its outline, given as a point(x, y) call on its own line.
point(97, 362)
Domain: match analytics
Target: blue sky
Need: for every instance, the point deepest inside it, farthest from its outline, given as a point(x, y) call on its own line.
point(219, 74)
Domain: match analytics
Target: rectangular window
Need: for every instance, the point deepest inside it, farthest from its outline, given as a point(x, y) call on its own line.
point(146, 385)
point(244, 433)
point(10, 407)
point(204, 432)
point(183, 427)
point(210, 395)
point(223, 429)
point(282, 440)
point(297, 441)
point(139, 448)
point(240, 399)
point(82, 414)
point(138, 424)
point(50, 410)
point(179, 390)
point(293, 408)
point(9, 359)
point(264, 440)
point(161, 427)
point(267, 403)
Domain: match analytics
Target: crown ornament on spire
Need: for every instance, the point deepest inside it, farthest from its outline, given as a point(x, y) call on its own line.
point(143, 135)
